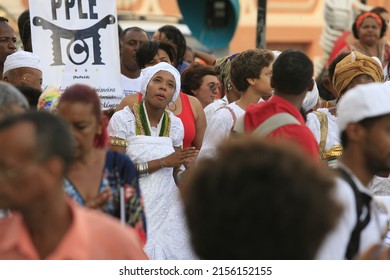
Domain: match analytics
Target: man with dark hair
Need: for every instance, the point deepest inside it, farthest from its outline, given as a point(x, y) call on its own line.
point(7, 42)
point(280, 118)
point(35, 154)
point(173, 35)
point(25, 30)
point(363, 117)
point(259, 200)
point(130, 40)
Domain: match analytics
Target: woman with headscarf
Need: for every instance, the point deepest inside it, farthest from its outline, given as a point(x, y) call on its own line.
point(369, 29)
point(154, 136)
point(345, 72)
point(185, 107)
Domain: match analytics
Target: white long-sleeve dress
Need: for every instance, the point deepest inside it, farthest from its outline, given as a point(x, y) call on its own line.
point(167, 234)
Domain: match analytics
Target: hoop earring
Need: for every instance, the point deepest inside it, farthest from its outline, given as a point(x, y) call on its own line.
point(169, 106)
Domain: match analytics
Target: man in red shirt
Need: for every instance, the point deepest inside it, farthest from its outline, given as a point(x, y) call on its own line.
point(292, 78)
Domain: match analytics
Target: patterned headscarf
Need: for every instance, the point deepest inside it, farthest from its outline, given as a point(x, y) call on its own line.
point(222, 67)
point(149, 72)
point(353, 65)
point(49, 98)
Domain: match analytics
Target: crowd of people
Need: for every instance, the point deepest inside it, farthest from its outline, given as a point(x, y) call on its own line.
point(240, 157)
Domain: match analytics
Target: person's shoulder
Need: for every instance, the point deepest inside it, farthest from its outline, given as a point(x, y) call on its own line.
point(343, 190)
point(113, 237)
point(174, 119)
point(255, 107)
point(123, 114)
point(224, 111)
point(194, 101)
point(130, 100)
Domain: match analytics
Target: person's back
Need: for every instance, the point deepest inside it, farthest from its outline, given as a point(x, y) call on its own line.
point(291, 78)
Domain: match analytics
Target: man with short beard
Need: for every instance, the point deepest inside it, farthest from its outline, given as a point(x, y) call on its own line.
point(364, 123)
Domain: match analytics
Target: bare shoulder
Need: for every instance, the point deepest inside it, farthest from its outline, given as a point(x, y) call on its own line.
point(129, 100)
point(195, 104)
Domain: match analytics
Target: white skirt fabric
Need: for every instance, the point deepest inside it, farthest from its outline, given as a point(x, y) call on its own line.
point(167, 234)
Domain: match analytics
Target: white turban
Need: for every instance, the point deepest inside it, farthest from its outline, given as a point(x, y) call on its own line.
point(21, 59)
point(311, 99)
point(149, 72)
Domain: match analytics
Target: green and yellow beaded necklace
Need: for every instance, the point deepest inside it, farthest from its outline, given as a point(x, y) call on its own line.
point(142, 124)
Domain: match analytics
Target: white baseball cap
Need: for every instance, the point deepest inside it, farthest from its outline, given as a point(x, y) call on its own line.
point(362, 102)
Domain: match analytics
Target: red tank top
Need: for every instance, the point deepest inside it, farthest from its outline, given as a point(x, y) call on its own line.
point(187, 118)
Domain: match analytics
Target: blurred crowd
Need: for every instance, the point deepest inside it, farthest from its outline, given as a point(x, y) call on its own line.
point(248, 156)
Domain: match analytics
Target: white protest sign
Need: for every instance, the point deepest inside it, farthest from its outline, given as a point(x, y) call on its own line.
point(77, 42)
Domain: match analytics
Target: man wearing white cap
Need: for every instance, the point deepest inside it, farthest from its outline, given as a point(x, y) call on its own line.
point(364, 123)
point(23, 69)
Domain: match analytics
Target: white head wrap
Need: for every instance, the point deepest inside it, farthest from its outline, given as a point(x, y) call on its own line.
point(311, 99)
point(21, 59)
point(149, 72)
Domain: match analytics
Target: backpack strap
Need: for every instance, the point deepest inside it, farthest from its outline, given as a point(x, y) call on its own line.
point(362, 200)
point(323, 119)
point(232, 113)
point(269, 125)
point(275, 122)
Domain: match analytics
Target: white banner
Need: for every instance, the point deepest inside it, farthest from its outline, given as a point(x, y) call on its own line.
point(77, 42)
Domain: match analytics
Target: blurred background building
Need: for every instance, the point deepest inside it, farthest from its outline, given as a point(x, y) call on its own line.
point(289, 23)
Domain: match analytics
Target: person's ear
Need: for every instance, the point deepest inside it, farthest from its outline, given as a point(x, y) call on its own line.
point(53, 170)
point(355, 132)
point(310, 86)
point(250, 81)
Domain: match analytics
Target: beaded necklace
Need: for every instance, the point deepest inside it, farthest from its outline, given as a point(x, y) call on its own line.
point(142, 124)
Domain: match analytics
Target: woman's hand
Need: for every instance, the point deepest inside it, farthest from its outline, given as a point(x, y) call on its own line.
point(99, 200)
point(181, 156)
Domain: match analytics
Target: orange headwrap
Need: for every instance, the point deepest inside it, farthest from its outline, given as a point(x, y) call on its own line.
point(363, 16)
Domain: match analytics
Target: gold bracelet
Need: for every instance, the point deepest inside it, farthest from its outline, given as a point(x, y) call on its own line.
point(118, 142)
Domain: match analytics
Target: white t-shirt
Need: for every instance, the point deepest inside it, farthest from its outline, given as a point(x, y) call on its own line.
point(210, 109)
point(335, 244)
point(131, 86)
point(218, 129)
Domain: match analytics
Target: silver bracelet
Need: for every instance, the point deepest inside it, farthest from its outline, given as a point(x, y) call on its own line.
point(179, 176)
point(142, 168)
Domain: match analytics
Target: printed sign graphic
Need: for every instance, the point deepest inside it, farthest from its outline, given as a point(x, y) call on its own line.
point(77, 42)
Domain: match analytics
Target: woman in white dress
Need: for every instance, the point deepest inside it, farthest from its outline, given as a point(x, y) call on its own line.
point(152, 137)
